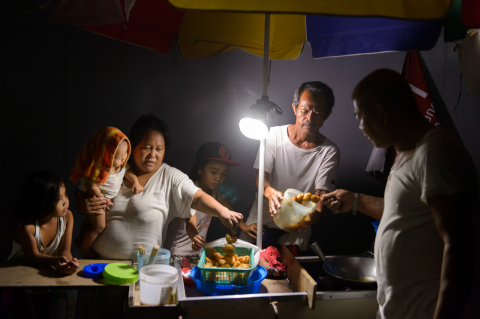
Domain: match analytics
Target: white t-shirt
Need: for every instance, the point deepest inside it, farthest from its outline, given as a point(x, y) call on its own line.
point(143, 218)
point(177, 240)
point(292, 167)
point(111, 186)
point(408, 247)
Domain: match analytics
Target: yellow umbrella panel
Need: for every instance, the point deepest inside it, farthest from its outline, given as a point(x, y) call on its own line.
point(204, 34)
point(401, 9)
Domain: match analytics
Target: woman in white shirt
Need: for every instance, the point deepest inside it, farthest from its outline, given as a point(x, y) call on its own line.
point(142, 219)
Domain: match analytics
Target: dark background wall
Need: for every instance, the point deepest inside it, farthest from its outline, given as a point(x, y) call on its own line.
point(60, 84)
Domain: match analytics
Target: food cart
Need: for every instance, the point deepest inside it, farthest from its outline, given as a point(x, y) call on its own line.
point(298, 294)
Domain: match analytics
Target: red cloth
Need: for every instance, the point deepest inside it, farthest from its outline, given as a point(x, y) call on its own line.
point(153, 24)
point(269, 258)
point(471, 13)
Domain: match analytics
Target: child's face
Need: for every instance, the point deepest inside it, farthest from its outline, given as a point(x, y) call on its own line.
point(213, 174)
point(120, 155)
point(62, 205)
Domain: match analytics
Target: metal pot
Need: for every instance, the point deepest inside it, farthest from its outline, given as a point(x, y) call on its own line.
point(354, 272)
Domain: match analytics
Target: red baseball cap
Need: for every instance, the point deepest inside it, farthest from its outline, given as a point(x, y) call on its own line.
point(215, 151)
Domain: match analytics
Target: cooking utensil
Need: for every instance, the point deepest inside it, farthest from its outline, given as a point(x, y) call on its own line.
point(354, 272)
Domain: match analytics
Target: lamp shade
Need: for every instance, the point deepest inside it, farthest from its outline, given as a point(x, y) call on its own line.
point(253, 128)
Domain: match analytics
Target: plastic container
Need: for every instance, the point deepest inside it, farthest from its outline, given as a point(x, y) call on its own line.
point(227, 276)
point(211, 289)
point(158, 285)
point(120, 274)
point(375, 225)
point(94, 271)
point(291, 215)
point(161, 258)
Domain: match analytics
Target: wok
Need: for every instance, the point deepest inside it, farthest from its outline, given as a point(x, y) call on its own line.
point(354, 272)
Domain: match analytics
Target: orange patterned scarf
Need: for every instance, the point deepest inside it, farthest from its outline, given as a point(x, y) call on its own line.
point(96, 157)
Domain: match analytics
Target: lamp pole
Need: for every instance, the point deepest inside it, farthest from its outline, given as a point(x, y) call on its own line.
point(261, 169)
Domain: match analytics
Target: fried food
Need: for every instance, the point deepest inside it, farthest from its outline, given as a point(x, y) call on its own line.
point(210, 251)
point(216, 257)
point(229, 247)
point(228, 252)
point(230, 239)
point(306, 197)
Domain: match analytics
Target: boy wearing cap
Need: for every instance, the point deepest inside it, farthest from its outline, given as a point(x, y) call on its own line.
point(185, 238)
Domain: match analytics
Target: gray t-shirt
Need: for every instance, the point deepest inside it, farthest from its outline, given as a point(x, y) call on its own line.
point(408, 247)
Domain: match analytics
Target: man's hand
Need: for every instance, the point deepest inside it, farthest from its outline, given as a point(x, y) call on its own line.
point(338, 201)
point(198, 242)
point(274, 199)
point(250, 230)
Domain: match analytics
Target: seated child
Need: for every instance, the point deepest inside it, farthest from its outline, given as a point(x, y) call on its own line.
point(44, 230)
point(186, 238)
point(100, 168)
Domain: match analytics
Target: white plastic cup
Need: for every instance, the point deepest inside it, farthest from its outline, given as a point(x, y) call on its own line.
point(291, 215)
point(158, 285)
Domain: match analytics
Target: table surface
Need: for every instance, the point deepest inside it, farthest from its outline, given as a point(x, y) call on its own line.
point(15, 274)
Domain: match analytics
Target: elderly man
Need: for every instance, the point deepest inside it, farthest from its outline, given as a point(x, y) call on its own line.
point(425, 245)
point(297, 156)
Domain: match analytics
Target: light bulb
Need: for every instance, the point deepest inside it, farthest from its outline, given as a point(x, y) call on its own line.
point(254, 129)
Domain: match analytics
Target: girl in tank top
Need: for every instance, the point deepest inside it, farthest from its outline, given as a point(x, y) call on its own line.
point(44, 229)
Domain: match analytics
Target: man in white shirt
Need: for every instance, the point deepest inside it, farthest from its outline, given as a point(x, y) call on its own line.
point(297, 156)
point(425, 245)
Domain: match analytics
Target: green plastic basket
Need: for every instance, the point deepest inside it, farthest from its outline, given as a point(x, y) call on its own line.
point(227, 276)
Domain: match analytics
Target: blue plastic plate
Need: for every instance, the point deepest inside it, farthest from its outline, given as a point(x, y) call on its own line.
point(212, 289)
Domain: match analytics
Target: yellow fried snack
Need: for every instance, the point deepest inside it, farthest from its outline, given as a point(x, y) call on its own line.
point(229, 259)
point(228, 252)
point(230, 239)
point(225, 266)
point(221, 262)
point(209, 252)
point(217, 256)
point(315, 198)
point(229, 246)
point(307, 196)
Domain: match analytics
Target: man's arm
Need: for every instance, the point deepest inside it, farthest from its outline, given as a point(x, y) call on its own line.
point(453, 217)
point(341, 201)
